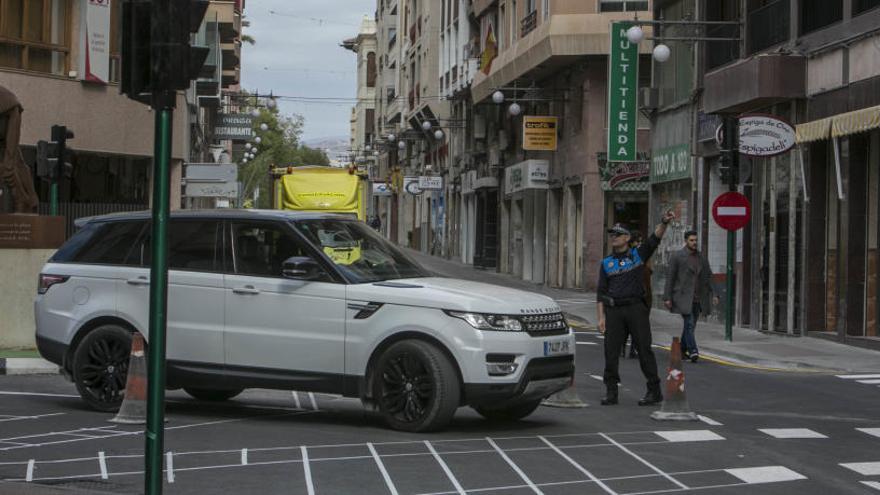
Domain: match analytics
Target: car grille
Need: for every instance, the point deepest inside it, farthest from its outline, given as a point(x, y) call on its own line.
point(543, 325)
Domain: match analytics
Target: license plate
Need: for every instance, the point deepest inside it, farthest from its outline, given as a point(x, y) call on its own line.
point(555, 348)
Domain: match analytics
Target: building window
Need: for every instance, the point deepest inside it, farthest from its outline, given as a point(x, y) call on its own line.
point(861, 6)
point(817, 14)
point(371, 70)
point(768, 24)
point(675, 78)
point(34, 35)
point(622, 5)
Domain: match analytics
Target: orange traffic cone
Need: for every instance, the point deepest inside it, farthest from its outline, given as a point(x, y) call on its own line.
point(565, 398)
point(134, 405)
point(675, 404)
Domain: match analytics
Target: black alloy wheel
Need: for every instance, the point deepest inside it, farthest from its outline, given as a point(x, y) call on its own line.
point(100, 367)
point(416, 386)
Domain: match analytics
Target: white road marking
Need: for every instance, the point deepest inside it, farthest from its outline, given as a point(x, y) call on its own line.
point(869, 382)
point(169, 465)
point(314, 403)
point(646, 463)
point(244, 457)
point(587, 343)
point(307, 470)
point(19, 418)
point(874, 432)
point(709, 421)
point(515, 467)
point(791, 433)
point(766, 474)
point(385, 475)
point(29, 476)
point(858, 377)
point(102, 464)
point(873, 484)
point(579, 467)
point(446, 469)
point(35, 394)
point(864, 468)
point(296, 400)
point(689, 436)
point(596, 377)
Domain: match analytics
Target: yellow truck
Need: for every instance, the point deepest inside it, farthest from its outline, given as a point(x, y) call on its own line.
point(325, 190)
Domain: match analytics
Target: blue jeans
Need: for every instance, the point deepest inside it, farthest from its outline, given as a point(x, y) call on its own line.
point(688, 340)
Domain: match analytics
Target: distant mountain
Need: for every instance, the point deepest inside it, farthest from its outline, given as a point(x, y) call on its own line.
point(336, 148)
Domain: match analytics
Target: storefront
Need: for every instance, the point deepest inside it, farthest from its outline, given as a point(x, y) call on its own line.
point(524, 218)
point(671, 189)
point(841, 160)
point(625, 186)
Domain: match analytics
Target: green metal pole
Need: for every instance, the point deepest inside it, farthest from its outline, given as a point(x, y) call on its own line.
point(728, 316)
point(53, 198)
point(158, 304)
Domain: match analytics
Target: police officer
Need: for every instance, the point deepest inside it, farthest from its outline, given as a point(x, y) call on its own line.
point(621, 309)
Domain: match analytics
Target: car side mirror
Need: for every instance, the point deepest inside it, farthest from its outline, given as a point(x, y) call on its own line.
point(301, 268)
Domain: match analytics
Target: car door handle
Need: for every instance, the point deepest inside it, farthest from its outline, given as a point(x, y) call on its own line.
point(138, 281)
point(247, 289)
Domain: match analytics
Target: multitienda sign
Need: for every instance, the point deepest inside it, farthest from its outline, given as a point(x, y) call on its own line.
point(623, 78)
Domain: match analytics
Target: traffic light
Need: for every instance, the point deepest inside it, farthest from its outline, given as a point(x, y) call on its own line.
point(156, 53)
point(52, 155)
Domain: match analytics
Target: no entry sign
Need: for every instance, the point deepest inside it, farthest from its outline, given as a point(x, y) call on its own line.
point(731, 211)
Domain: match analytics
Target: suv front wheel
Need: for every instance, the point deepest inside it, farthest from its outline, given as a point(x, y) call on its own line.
point(100, 367)
point(416, 387)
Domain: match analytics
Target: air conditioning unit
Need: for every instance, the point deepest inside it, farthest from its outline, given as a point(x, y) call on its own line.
point(649, 98)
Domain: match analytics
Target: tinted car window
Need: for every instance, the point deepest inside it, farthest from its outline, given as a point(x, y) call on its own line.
point(260, 249)
point(75, 244)
point(193, 245)
point(113, 244)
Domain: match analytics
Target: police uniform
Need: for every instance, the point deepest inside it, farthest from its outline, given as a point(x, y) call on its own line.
point(621, 290)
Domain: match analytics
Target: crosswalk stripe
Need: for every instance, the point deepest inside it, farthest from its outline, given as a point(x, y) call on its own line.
point(863, 468)
point(767, 474)
point(869, 382)
point(791, 433)
point(873, 484)
point(857, 377)
point(874, 432)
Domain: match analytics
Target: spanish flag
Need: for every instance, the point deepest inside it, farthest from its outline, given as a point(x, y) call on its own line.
point(490, 52)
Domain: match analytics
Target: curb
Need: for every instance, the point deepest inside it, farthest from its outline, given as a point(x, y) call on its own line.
point(27, 366)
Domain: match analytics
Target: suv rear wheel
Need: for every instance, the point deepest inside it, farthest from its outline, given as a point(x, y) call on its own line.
point(509, 413)
point(212, 395)
point(100, 367)
point(416, 387)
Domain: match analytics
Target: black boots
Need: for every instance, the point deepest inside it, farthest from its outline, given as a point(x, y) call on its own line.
point(652, 397)
point(610, 398)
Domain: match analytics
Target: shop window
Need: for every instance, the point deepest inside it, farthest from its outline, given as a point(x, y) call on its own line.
point(623, 5)
point(817, 14)
point(862, 6)
point(34, 35)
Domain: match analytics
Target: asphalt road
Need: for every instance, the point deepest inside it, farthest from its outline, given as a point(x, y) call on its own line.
point(272, 442)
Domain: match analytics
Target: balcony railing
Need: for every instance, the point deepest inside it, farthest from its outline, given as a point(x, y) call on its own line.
point(529, 23)
point(719, 53)
point(768, 26)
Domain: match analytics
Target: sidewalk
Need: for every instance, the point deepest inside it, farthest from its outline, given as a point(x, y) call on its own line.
point(749, 347)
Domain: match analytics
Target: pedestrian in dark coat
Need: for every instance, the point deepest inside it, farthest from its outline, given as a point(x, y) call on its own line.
point(688, 287)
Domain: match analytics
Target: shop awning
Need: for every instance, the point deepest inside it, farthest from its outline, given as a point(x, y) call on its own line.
point(813, 131)
point(839, 125)
point(855, 122)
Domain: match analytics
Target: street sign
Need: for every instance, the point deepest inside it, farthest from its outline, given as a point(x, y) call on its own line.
point(411, 185)
point(731, 211)
point(430, 183)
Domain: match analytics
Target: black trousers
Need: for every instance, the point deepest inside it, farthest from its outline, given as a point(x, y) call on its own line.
point(620, 321)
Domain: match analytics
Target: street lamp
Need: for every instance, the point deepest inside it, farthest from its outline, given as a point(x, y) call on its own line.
point(271, 103)
point(253, 150)
point(248, 146)
point(426, 125)
point(661, 53)
point(258, 140)
point(392, 137)
point(264, 126)
point(438, 134)
point(367, 147)
point(635, 35)
point(244, 160)
point(255, 112)
point(514, 109)
point(401, 145)
point(498, 97)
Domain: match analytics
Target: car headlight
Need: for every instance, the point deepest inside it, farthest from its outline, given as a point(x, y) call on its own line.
point(488, 321)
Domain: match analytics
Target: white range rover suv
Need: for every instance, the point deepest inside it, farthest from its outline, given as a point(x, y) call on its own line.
point(296, 301)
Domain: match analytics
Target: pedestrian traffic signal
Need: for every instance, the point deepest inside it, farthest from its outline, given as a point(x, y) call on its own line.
point(156, 53)
point(52, 155)
point(47, 158)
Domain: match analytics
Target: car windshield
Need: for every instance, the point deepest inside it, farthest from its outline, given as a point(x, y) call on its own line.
point(359, 253)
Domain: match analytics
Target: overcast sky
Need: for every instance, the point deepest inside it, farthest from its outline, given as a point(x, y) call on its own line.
point(298, 54)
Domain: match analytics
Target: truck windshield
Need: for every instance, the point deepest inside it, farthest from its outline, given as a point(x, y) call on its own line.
point(361, 254)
